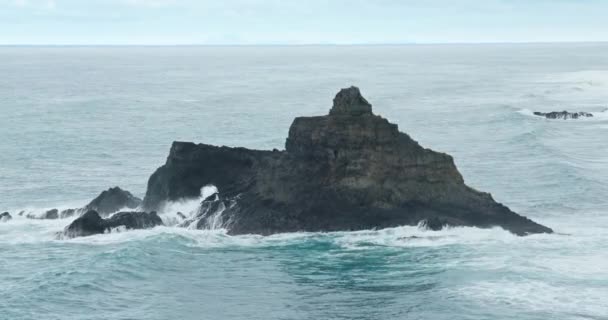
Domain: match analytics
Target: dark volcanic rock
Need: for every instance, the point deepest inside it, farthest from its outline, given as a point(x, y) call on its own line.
point(109, 201)
point(563, 115)
point(91, 223)
point(54, 214)
point(134, 220)
point(350, 102)
point(434, 224)
point(207, 215)
point(349, 170)
point(5, 216)
point(112, 200)
point(88, 224)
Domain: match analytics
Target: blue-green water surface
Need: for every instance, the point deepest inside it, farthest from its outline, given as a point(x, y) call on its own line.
point(77, 120)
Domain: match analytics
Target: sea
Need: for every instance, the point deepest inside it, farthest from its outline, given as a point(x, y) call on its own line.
point(75, 121)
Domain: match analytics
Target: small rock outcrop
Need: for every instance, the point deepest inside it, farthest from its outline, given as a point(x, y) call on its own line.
point(349, 170)
point(92, 223)
point(433, 224)
point(5, 216)
point(51, 214)
point(106, 203)
point(113, 200)
point(563, 115)
point(88, 224)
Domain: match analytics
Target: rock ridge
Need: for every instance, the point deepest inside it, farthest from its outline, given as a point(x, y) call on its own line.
point(565, 115)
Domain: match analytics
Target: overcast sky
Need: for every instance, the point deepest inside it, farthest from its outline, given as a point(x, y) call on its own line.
point(300, 21)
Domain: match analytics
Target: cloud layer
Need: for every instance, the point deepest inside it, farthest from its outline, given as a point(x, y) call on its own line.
point(299, 22)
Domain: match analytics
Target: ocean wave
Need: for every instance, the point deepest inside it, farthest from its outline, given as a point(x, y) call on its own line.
point(400, 237)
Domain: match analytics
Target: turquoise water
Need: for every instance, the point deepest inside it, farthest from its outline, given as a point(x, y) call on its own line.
point(77, 120)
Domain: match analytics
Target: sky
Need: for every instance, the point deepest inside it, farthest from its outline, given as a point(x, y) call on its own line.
point(250, 22)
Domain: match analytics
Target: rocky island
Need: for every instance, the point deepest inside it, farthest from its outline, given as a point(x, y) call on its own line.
point(345, 171)
point(348, 170)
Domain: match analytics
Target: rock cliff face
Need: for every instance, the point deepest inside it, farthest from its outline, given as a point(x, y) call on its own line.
point(349, 170)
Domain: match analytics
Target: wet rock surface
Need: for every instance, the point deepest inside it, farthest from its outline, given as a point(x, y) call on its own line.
point(112, 200)
point(91, 223)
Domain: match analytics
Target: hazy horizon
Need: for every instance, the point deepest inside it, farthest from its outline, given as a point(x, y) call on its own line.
point(290, 22)
point(300, 45)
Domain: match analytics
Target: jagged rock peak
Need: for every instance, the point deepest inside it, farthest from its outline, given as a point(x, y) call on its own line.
point(350, 102)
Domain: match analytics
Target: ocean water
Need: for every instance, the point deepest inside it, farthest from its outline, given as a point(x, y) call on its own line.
point(77, 120)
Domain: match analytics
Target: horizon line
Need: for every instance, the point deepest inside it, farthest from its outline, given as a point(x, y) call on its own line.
point(293, 44)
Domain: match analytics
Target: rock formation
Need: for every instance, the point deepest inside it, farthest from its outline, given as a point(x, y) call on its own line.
point(5, 216)
point(51, 214)
point(563, 115)
point(106, 203)
point(112, 200)
point(349, 170)
point(91, 223)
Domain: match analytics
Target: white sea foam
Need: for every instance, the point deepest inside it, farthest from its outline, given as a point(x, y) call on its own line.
point(170, 210)
point(538, 295)
point(22, 230)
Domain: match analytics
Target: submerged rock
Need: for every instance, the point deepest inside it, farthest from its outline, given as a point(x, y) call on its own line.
point(67, 213)
point(113, 200)
point(349, 170)
point(91, 223)
point(563, 115)
point(5, 216)
point(48, 215)
point(134, 220)
point(433, 224)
